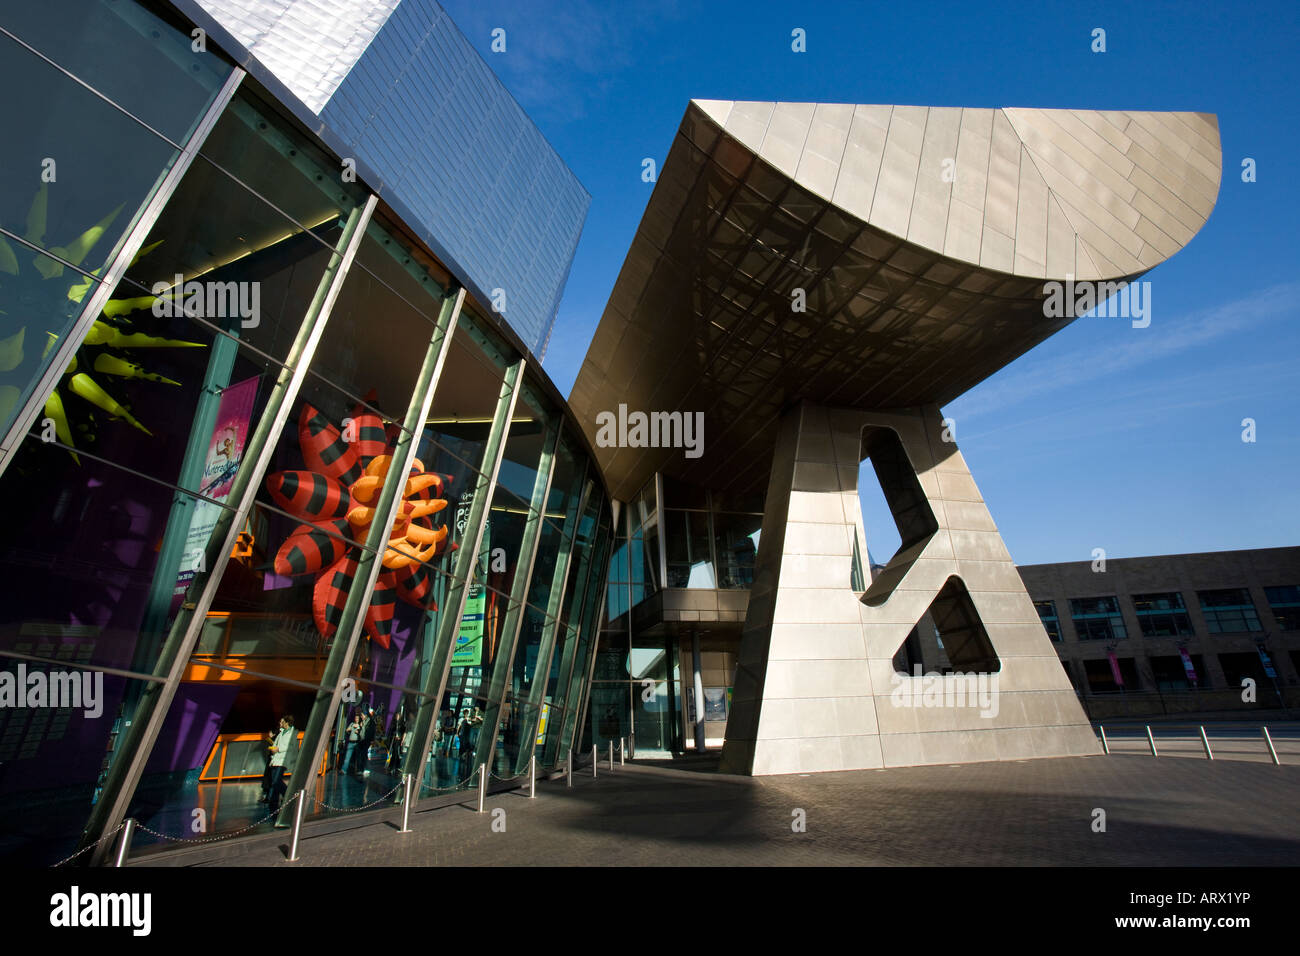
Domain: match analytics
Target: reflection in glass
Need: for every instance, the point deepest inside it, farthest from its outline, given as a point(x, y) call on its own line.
point(131, 55)
point(60, 196)
point(53, 758)
point(690, 560)
point(736, 540)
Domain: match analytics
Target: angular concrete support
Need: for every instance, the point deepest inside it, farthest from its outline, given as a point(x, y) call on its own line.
point(816, 687)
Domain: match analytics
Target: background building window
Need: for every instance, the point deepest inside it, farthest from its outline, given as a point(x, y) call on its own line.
point(1285, 604)
point(1101, 678)
point(1229, 611)
point(1170, 673)
point(1097, 619)
point(1162, 615)
point(1047, 614)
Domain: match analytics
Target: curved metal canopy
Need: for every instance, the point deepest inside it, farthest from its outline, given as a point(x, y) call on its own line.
point(870, 256)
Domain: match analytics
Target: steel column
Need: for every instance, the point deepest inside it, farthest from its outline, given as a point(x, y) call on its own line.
point(577, 695)
point(466, 557)
point(554, 601)
point(584, 698)
point(504, 667)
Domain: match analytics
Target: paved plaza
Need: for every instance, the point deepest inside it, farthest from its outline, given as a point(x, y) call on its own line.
point(1158, 812)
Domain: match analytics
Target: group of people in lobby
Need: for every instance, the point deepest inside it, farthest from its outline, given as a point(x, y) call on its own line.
point(454, 744)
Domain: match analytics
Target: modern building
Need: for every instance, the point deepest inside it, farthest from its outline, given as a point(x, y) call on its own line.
point(809, 285)
point(276, 443)
point(1175, 633)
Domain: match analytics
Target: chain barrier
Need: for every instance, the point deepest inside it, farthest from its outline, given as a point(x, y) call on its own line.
point(257, 823)
point(364, 806)
point(234, 833)
point(108, 836)
point(211, 839)
point(455, 786)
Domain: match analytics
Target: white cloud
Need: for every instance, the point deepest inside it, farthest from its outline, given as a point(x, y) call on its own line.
point(1031, 378)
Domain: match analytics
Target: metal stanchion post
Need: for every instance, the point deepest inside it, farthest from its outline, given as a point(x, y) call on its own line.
point(595, 759)
point(568, 770)
point(297, 825)
point(622, 750)
point(482, 786)
point(1206, 742)
point(406, 803)
point(1105, 744)
point(1152, 740)
point(611, 755)
point(1268, 739)
point(129, 830)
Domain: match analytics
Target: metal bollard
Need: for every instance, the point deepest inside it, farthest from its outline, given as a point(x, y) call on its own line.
point(124, 847)
point(532, 777)
point(1268, 739)
point(1206, 741)
point(622, 750)
point(611, 755)
point(1152, 741)
point(1105, 744)
point(482, 785)
point(568, 770)
point(406, 803)
point(595, 759)
point(297, 825)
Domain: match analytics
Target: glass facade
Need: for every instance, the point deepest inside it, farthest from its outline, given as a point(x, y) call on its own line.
point(83, 165)
point(217, 529)
point(635, 679)
point(711, 540)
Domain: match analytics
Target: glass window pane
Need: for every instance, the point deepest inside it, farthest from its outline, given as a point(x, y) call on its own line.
point(25, 345)
point(60, 196)
point(736, 538)
point(133, 56)
point(98, 558)
point(252, 144)
point(54, 758)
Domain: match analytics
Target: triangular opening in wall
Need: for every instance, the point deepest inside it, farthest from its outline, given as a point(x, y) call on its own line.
point(949, 638)
point(905, 502)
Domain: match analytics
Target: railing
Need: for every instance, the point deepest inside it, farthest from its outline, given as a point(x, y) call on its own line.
point(408, 787)
point(1119, 705)
point(1234, 741)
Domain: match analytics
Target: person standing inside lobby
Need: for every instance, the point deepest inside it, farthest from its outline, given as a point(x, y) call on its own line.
point(284, 757)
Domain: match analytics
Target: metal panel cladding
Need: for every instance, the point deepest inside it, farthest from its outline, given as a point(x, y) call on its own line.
point(402, 90)
point(428, 114)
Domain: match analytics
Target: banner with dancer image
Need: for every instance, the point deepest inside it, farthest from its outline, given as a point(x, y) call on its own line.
point(225, 451)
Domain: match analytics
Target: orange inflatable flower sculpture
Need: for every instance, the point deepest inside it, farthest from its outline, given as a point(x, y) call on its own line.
point(335, 497)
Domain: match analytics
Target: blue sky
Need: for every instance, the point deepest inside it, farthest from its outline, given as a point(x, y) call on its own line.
point(1105, 436)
